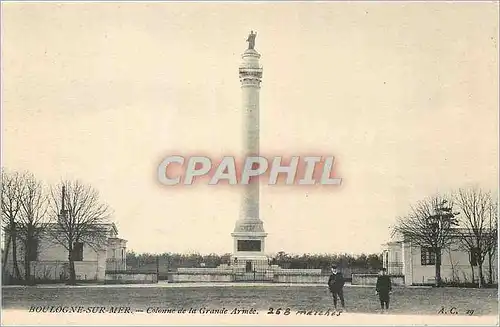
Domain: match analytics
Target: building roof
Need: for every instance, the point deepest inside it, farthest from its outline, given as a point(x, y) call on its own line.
point(117, 239)
point(109, 226)
point(392, 243)
point(456, 232)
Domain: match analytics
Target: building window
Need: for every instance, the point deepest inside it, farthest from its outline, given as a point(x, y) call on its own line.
point(78, 251)
point(32, 252)
point(474, 256)
point(427, 257)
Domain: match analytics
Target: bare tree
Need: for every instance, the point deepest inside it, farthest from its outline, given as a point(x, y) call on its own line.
point(453, 264)
point(474, 204)
point(33, 219)
point(11, 205)
point(81, 219)
point(429, 225)
point(468, 245)
point(492, 241)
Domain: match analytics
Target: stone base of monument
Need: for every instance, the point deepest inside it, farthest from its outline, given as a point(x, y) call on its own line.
point(262, 272)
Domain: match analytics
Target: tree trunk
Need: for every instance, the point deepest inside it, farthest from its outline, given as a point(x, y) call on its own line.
point(438, 268)
point(5, 272)
point(17, 273)
point(6, 253)
point(27, 272)
point(472, 270)
point(481, 277)
point(453, 268)
point(490, 267)
point(29, 249)
point(72, 273)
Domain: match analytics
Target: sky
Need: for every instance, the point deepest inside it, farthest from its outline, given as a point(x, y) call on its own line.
point(404, 95)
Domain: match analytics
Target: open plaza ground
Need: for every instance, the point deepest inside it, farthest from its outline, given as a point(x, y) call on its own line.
point(410, 306)
point(261, 297)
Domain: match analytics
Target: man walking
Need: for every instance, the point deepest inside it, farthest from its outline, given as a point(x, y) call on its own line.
point(383, 289)
point(336, 286)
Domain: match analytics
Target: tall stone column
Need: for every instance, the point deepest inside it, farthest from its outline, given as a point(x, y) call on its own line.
point(249, 234)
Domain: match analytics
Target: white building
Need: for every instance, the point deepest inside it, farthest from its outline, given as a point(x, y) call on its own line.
point(417, 264)
point(50, 259)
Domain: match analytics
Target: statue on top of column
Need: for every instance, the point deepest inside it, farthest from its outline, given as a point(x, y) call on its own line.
point(251, 40)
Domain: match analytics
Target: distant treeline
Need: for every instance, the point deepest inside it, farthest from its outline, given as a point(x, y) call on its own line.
point(171, 261)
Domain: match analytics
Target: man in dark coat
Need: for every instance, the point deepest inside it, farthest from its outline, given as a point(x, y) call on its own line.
point(336, 287)
point(383, 289)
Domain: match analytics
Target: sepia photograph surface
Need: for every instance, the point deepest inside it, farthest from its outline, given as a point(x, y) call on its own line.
point(249, 163)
